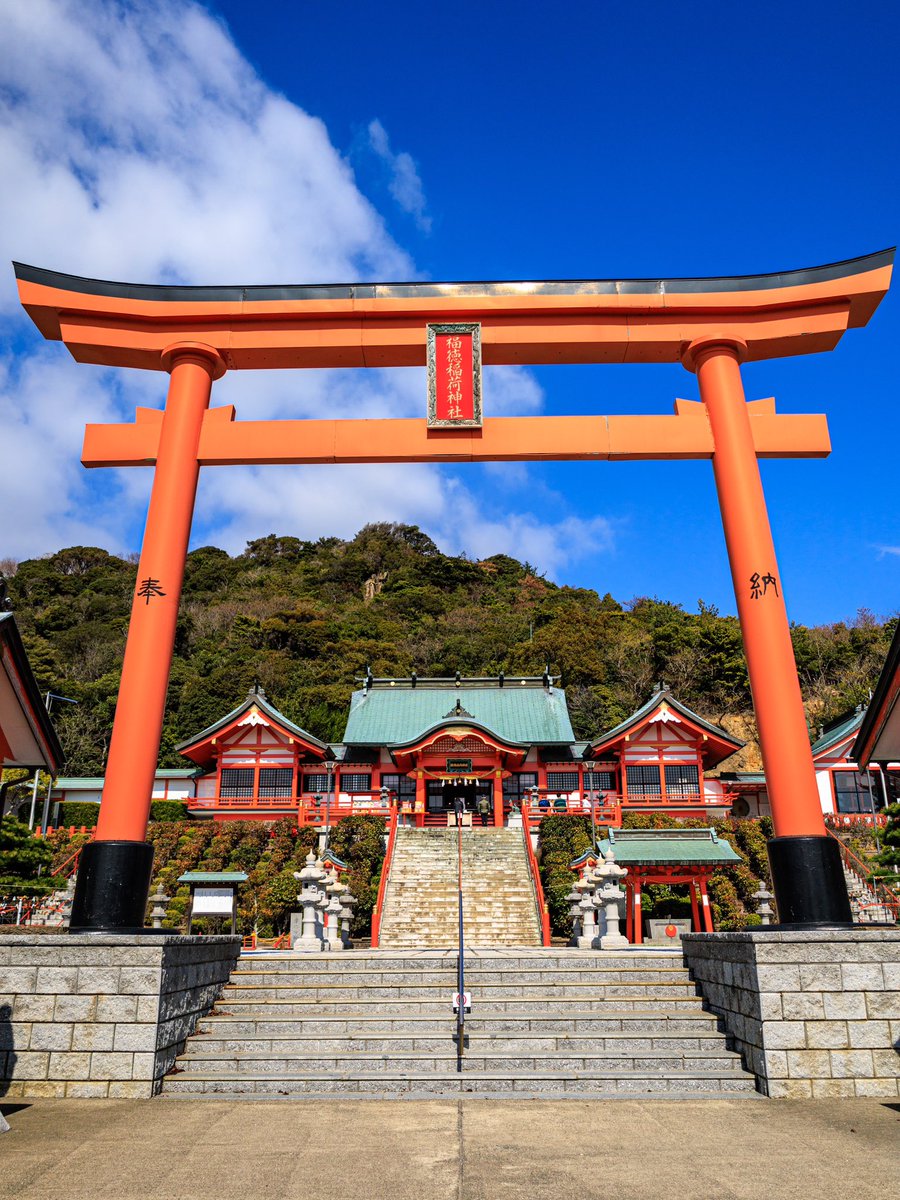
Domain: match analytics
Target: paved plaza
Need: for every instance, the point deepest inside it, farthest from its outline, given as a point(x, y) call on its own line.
point(468, 1150)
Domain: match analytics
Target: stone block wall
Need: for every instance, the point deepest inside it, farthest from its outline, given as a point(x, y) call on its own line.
point(812, 1013)
point(100, 1015)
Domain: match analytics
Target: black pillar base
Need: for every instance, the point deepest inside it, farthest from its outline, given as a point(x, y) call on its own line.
point(808, 878)
point(112, 888)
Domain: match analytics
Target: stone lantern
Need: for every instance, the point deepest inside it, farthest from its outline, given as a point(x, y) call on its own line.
point(574, 899)
point(762, 895)
point(349, 903)
point(609, 895)
point(159, 900)
point(312, 900)
point(584, 888)
point(333, 890)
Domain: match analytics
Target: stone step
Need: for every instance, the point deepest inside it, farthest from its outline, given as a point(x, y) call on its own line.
point(516, 1044)
point(268, 1024)
point(437, 992)
point(466, 1083)
point(282, 1009)
point(476, 976)
point(351, 1063)
point(554, 960)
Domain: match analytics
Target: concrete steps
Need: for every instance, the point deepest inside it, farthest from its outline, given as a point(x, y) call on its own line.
point(570, 1024)
point(421, 904)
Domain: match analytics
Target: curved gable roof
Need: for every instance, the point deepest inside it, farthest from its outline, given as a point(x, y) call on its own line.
point(253, 700)
point(723, 743)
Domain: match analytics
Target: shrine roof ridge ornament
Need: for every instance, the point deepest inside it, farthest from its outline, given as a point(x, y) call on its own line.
point(464, 288)
point(534, 322)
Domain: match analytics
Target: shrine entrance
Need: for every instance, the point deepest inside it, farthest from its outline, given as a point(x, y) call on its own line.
point(710, 326)
point(442, 795)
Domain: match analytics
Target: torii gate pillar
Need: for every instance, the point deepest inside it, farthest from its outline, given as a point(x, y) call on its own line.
point(806, 866)
point(114, 875)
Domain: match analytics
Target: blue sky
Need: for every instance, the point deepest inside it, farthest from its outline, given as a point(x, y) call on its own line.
point(286, 143)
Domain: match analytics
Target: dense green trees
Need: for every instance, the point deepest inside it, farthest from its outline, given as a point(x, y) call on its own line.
point(304, 619)
point(23, 859)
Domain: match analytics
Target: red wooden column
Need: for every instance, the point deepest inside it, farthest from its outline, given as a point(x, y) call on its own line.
point(706, 910)
point(695, 912)
point(498, 799)
point(807, 876)
point(420, 799)
point(110, 892)
point(638, 920)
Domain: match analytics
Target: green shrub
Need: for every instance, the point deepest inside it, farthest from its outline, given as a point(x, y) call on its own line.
point(78, 813)
point(168, 810)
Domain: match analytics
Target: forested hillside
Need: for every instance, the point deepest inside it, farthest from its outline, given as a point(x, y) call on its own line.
point(304, 619)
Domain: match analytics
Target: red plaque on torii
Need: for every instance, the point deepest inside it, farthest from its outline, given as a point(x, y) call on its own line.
point(454, 376)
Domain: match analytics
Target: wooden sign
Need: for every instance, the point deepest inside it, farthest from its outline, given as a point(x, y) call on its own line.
point(454, 376)
point(459, 766)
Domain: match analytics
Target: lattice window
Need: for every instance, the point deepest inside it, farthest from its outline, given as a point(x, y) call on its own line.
point(682, 779)
point(449, 745)
point(316, 785)
point(562, 781)
point(237, 782)
point(401, 784)
point(514, 787)
point(275, 782)
point(644, 781)
point(356, 783)
point(599, 781)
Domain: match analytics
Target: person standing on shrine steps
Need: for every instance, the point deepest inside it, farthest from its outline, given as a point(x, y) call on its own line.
point(483, 808)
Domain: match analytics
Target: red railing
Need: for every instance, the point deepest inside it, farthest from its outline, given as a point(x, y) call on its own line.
point(543, 911)
point(385, 875)
point(885, 896)
point(305, 808)
point(606, 812)
point(855, 820)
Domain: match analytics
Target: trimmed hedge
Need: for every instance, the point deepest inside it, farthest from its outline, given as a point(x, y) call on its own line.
point(83, 812)
point(168, 810)
point(78, 813)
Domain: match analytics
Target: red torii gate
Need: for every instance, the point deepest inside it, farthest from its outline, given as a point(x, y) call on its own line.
point(710, 325)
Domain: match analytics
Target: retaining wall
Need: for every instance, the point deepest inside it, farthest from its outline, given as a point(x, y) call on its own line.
point(812, 1013)
point(100, 1015)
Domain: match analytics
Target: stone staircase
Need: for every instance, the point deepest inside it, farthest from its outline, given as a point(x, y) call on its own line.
point(864, 903)
point(421, 906)
point(374, 1024)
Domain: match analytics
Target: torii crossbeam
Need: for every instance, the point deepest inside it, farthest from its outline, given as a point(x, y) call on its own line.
point(709, 325)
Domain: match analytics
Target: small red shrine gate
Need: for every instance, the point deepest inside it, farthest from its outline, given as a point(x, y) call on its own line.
point(677, 857)
point(710, 326)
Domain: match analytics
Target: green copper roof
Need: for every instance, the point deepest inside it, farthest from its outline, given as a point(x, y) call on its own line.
point(526, 714)
point(838, 732)
point(668, 846)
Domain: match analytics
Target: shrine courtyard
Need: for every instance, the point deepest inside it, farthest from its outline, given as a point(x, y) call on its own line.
point(467, 1150)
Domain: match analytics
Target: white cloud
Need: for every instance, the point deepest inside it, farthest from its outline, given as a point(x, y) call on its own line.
point(883, 550)
point(404, 183)
point(138, 144)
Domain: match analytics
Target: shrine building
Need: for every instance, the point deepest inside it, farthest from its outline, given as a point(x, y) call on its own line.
point(424, 744)
point(850, 793)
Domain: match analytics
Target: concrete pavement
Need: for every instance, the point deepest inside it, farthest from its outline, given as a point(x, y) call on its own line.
point(468, 1150)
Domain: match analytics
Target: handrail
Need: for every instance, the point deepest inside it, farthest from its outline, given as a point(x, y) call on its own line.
point(461, 957)
point(543, 911)
point(385, 875)
point(888, 898)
